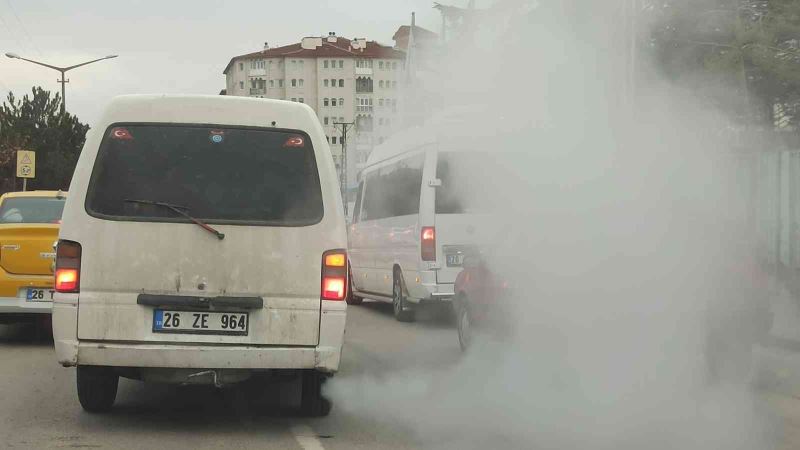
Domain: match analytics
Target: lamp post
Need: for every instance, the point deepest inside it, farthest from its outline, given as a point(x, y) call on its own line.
point(63, 71)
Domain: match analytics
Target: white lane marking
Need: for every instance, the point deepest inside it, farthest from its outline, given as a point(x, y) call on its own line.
point(306, 437)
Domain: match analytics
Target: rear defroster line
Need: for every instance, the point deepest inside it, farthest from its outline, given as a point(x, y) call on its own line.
point(182, 211)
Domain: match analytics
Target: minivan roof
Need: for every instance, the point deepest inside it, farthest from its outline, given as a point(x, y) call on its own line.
point(209, 109)
point(456, 127)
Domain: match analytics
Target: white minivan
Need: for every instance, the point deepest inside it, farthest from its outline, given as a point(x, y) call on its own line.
point(203, 241)
point(420, 209)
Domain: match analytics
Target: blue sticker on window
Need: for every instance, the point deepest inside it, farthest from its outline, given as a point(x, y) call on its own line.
point(216, 138)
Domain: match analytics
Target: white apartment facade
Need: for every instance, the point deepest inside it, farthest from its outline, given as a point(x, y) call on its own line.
point(343, 80)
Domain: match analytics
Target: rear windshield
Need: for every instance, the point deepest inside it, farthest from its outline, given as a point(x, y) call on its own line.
point(218, 174)
point(465, 177)
point(31, 210)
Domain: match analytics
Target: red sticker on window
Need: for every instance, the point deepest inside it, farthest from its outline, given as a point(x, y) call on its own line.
point(295, 141)
point(121, 134)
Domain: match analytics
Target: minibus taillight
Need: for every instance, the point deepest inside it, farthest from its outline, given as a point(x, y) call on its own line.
point(68, 267)
point(334, 275)
point(428, 244)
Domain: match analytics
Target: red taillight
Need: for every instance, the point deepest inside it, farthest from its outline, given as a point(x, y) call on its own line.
point(68, 267)
point(428, 245)
point(333, 288)
point(334, 275)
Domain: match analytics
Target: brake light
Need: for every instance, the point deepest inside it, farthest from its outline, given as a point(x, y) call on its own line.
point(428, 244)
point(68, 267)
point(334, 275)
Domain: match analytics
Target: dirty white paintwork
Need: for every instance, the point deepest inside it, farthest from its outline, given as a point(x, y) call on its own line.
point(103, 325)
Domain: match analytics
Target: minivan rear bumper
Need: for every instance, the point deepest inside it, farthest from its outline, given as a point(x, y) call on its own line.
point(206, 357)
point(71, 351)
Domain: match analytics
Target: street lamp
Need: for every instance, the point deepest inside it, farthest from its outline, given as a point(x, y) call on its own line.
point(63, 70)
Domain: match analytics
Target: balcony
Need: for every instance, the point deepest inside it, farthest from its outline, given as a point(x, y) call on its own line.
point(364, 109)
point(364, 71)
point(257, 72)
point(258, 91)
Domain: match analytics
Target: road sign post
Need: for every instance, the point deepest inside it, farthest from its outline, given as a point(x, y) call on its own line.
point(26, 166)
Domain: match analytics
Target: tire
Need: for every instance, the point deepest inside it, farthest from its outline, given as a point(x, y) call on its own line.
point(463, 325)
point(97, 388)
point(312, 403)
point(402, 310)
point(352, 299)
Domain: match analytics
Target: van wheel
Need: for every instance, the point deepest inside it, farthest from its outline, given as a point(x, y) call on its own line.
point(97, 388)
point(312, 403)
point(403, 311)
point(352, 299)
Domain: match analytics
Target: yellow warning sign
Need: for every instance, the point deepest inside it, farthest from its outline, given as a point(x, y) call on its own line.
point(26, 164)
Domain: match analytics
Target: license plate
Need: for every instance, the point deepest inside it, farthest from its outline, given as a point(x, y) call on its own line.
point(39, 295)
point(455, 260)
point(191, 322)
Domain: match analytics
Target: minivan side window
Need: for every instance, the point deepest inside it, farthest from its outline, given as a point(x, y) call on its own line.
point(394, 190)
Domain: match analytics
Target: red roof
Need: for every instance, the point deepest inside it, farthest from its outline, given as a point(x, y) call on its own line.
point(341, 48)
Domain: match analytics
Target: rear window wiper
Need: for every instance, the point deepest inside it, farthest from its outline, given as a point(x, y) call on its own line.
point(182, 211)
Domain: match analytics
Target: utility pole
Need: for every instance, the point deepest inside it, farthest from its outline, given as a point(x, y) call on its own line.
point(345, 127)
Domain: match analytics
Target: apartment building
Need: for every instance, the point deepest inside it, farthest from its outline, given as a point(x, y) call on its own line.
point(343, 80)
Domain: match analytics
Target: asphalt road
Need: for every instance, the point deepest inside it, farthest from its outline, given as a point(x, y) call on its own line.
point(39, 408)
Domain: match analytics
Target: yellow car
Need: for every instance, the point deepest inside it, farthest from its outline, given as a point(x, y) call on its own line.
point(29, 223)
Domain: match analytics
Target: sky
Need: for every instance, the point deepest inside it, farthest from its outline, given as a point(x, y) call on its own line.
point(171, 46)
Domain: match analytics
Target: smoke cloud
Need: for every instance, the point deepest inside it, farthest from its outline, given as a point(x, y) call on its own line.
point(621, 229)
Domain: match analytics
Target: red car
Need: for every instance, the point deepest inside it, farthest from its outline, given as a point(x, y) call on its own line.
point(481, 299)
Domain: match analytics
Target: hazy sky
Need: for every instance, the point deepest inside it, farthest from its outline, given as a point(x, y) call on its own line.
point(172, 46)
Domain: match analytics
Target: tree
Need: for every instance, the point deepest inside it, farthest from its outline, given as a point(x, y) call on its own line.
point(35, 123)
point(750, 48)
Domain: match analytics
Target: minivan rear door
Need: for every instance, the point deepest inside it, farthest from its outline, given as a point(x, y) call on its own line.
point(464, 208)
point(158, 196)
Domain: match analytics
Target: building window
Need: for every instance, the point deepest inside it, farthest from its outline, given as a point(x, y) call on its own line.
point(294, 99)
point(272, 83)
point(380, 65)
point(302, 100)
point(301, 82)
point(280, 82)
point(341, 119)
point(380, 103)
point(380, 84)
point(341, 64)
point(325, 82)
point(280, 63)
point(294, 82)
point(333, 102)
point(294, 64)
point(325, 101)
point(341, 102)
point(326, 121)
point(325, 64)
point(302, 63)
point(341, 83)
point(333, 140)
point(241, 85)
point(241, 67)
